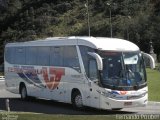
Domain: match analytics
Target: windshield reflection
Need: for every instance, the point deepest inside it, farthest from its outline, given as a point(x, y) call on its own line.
point(123, 70)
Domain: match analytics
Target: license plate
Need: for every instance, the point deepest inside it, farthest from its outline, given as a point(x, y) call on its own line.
point(127, 103)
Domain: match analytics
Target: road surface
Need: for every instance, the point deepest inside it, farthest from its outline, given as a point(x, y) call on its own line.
point(53, 107)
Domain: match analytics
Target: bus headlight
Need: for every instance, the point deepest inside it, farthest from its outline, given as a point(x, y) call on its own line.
point(106, 94)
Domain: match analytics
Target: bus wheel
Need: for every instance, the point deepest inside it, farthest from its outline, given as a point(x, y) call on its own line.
point(77, 100)
point(23, 92)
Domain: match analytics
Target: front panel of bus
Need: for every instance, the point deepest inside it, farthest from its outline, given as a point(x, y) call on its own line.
point(124, 79)
point(122, 82)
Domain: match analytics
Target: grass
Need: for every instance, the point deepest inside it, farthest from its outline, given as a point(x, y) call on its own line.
point(67, 117)
point(153, 85)
point(32, 116)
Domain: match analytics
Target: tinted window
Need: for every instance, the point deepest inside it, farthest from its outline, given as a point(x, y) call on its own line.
point(10, 54)
point(15, 55)
point(85, 57)
point(56, 56)
point(93, 73)
point(65, 56)
point(19, 55)
point(71, 58)
point(31, 55)
point(43, 56)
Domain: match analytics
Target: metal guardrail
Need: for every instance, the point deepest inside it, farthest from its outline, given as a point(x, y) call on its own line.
point(2, 78)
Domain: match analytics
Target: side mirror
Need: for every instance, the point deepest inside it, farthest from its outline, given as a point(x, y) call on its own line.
point(98, 60)
point(152, 61)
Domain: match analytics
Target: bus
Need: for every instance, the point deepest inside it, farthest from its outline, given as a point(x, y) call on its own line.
point(99, 72)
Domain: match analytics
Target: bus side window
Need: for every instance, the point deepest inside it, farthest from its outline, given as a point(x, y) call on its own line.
point(43, 56)
point(71, 58)
point(20, 54)
point(10, 54)
point(56, 56)
point(31, 55)
point(93, 71)
point(85, 57)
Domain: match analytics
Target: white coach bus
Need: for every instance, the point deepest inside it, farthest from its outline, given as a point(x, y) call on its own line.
point(104, 73)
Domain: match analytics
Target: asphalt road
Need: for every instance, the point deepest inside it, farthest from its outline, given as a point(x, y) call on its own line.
point(53, 107)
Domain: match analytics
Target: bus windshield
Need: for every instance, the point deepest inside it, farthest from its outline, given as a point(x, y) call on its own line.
point(123, 70)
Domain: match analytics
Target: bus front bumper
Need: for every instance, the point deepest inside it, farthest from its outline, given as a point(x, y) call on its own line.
point(110, 103)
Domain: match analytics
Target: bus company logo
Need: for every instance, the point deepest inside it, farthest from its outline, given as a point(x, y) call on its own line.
point(51, 76)
point(123, 92)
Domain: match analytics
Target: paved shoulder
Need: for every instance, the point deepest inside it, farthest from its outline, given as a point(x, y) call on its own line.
point(6, 94)
point(151, 108)
point(153, 103)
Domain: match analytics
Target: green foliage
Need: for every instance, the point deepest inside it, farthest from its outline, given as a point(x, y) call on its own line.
point(135, 20)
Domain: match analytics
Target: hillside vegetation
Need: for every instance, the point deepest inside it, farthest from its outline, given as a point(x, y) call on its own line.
point(134, 20)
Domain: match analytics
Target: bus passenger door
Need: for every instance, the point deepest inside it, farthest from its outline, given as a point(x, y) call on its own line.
point(93, 87)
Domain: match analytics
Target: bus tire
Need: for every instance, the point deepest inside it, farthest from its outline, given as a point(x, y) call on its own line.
point(77, 101)
point(23, 92)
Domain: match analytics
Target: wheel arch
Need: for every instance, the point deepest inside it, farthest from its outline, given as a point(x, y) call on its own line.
point(75, 90)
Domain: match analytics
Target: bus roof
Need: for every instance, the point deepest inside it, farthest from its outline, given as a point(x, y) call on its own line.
point(102, 43)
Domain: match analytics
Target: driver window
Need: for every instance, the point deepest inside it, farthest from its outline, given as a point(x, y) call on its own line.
point(93, 71)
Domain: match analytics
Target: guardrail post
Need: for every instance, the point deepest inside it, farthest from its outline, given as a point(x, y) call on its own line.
point(7, 105)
